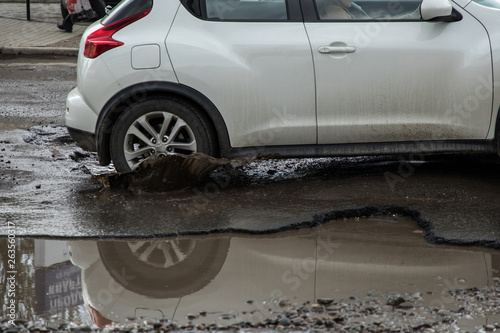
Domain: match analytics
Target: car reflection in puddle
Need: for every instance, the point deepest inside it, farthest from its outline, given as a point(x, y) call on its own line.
point(344, 275)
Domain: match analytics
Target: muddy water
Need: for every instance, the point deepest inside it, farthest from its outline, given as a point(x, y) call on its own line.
point(48, 187)
point(377, 272)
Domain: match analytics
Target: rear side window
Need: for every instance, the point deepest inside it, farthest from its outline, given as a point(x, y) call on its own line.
point(246, 10)
point(127, 8)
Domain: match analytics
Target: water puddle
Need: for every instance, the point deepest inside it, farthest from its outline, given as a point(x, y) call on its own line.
point(362, 274)
point(49, 187)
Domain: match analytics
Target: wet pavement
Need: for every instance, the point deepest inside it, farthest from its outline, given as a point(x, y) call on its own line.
point(48, 185)
point(47, 190)
point(352, 275)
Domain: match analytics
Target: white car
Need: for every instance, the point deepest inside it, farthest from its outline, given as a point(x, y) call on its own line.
point(297, 78)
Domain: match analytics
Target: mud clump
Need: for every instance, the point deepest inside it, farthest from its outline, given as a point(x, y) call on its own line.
point(168, 173)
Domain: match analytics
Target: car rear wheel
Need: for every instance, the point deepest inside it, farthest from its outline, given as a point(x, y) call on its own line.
point(158, 127)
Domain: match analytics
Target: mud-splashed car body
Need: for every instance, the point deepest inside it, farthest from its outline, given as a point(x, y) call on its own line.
point(287, 77)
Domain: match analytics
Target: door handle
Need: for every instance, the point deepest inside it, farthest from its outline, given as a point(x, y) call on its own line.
point(326, 49)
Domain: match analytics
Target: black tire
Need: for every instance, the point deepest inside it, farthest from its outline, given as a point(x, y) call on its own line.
point(195, 135)
point(202, 261)
point(64, 9)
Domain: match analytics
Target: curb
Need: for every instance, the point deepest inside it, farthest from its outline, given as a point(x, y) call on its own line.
point(65, 51)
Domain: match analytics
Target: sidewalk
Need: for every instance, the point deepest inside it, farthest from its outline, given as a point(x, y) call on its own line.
point(40, 35)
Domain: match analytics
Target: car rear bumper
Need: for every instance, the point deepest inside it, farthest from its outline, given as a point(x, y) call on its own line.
point(83, 139)
point(80, 121)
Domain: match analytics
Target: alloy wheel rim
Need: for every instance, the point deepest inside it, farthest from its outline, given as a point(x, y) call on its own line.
point(157, 133)
point(162, 253)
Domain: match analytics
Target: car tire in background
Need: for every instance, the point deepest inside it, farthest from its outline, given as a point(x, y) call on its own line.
point(159, 126)
point(164, 268)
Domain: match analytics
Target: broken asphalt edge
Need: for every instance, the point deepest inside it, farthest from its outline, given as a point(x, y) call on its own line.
point(317, 220)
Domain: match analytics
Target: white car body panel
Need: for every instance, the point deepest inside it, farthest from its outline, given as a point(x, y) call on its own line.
point(95, 81)
point(78, 113)
point(258, 74)
point(462, 3)
point(101, 78)
point(490, 20)
point(401, 84)
point(119, 60)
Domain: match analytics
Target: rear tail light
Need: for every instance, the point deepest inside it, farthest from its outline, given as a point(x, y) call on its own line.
point(102, 40)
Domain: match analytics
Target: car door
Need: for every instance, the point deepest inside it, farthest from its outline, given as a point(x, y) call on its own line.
point(252, 59)
point(383, 74)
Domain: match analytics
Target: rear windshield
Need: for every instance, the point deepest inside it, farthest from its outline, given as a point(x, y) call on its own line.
point(125, 9)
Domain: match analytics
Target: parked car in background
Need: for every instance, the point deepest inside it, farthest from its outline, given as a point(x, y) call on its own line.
point(297, 78)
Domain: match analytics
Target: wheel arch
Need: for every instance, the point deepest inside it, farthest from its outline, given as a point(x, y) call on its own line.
point(147, 90)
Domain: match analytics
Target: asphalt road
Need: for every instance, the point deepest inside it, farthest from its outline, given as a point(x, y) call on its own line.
point(46, 186)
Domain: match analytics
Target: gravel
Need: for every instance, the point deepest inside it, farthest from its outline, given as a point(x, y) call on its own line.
point(469, 310)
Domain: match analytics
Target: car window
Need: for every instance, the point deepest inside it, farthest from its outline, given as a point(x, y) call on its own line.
point(125, 9)
point(246, 10)
point(489, 3)
point(369, 10)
